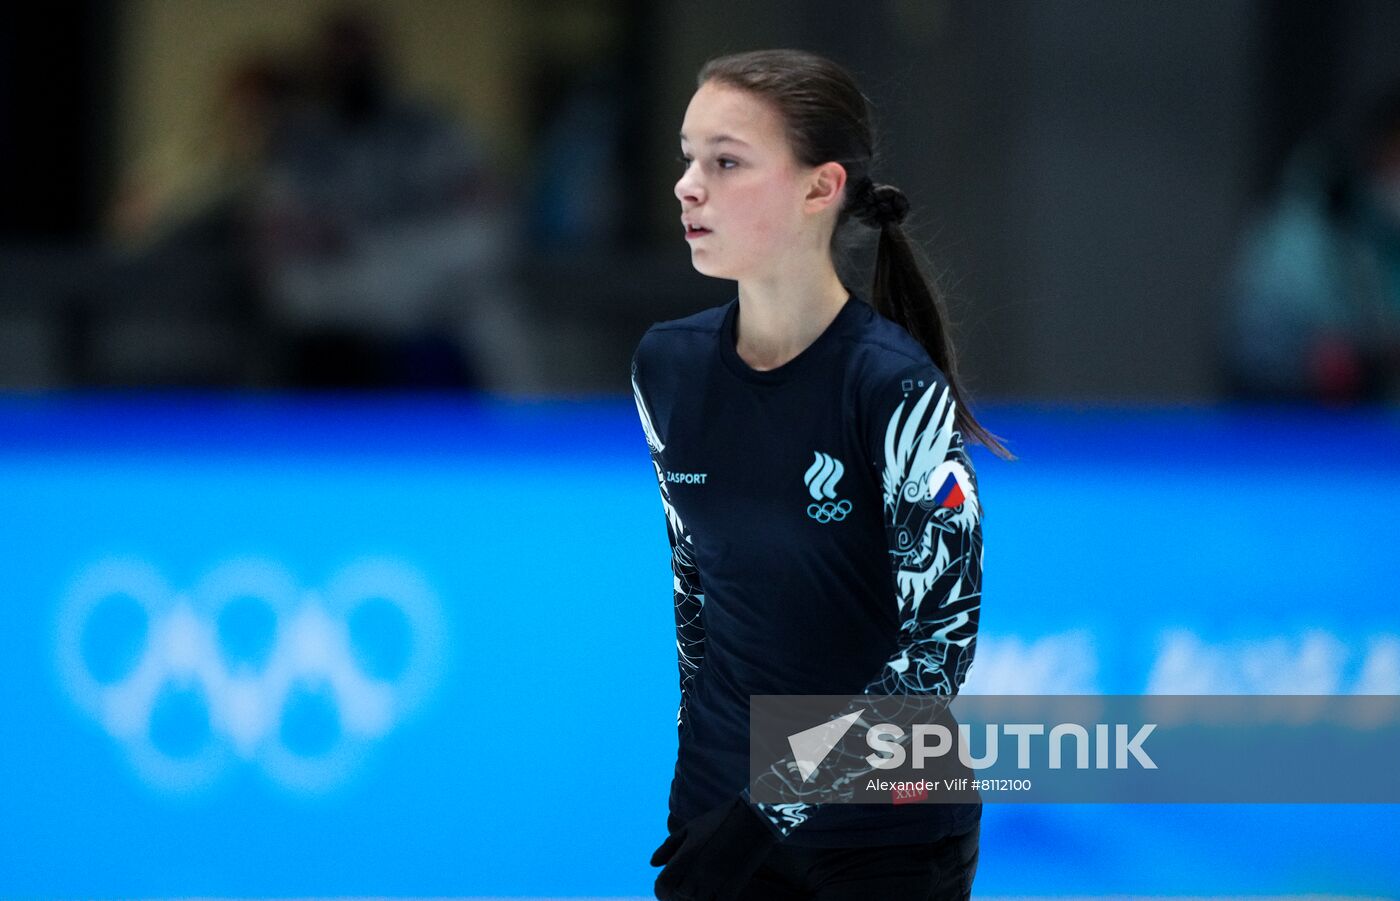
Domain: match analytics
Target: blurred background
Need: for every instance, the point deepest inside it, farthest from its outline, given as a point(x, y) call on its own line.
point(325, 510)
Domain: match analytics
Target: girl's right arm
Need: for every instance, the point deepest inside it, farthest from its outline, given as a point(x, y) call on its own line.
point(688, 595)
point(689, 600)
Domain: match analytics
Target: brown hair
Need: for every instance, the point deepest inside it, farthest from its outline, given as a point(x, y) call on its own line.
point(826, 118)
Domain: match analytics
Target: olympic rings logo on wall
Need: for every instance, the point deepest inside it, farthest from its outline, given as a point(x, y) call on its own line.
point(248, 665)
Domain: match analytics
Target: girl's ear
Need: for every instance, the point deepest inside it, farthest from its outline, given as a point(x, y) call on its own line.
point(825, 186)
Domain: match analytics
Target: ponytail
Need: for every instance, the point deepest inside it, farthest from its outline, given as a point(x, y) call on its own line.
point(903, 293)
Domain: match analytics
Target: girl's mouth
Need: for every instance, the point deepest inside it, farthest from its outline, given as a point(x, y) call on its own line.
point(695, 233)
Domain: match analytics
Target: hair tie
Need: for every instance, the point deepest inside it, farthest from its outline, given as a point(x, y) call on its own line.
point(881, 204)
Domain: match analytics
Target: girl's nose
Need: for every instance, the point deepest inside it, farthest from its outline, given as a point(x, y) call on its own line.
point(688, 190)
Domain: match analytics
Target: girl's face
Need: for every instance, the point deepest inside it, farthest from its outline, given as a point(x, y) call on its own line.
point(740, 180)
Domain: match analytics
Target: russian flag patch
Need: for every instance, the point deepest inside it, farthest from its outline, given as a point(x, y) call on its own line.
point(950, 494)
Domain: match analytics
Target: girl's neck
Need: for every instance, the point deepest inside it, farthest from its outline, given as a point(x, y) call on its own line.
point(776, 322)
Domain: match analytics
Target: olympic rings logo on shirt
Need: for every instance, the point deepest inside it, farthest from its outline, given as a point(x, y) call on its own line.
point(248, 665)
point(828, 511)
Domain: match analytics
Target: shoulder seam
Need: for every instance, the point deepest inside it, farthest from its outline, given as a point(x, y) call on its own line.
point(677, 327)
point(865, 339)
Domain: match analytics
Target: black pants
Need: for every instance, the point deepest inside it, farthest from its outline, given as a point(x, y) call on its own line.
point(933, 871)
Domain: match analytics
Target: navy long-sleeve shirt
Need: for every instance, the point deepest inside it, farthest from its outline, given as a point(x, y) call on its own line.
point(825, 537)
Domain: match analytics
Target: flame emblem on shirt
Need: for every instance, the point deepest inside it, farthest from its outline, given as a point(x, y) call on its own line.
point(821, 480)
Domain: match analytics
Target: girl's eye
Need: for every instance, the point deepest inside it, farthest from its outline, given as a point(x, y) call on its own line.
point(685, 162)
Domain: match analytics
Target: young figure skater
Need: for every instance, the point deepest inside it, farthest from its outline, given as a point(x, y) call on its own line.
point(822, 510)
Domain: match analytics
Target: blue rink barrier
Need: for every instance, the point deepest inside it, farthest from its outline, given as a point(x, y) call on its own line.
point(262, 646)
